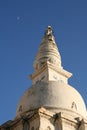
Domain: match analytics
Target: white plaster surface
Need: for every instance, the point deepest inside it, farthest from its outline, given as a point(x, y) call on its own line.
point(52, 95)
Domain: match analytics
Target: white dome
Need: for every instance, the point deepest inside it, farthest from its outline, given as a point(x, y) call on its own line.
point(52, 95)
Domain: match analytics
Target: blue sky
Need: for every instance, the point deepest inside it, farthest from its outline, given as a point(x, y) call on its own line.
point(22, 25)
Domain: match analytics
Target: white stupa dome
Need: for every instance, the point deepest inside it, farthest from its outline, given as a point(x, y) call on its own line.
point(54, 96)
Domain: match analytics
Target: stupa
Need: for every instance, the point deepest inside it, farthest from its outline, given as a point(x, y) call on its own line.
point(50, 103)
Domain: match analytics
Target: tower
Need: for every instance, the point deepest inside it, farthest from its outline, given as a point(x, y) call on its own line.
point(50, 103)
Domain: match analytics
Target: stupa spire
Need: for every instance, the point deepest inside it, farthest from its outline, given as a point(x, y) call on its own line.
point(48, 51)
point(48, 60)
point(48, 30)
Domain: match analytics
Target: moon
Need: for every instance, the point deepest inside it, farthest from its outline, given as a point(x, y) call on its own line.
point(18, 18)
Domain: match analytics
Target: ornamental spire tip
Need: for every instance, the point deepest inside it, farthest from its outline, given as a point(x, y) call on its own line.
point(48, 30)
